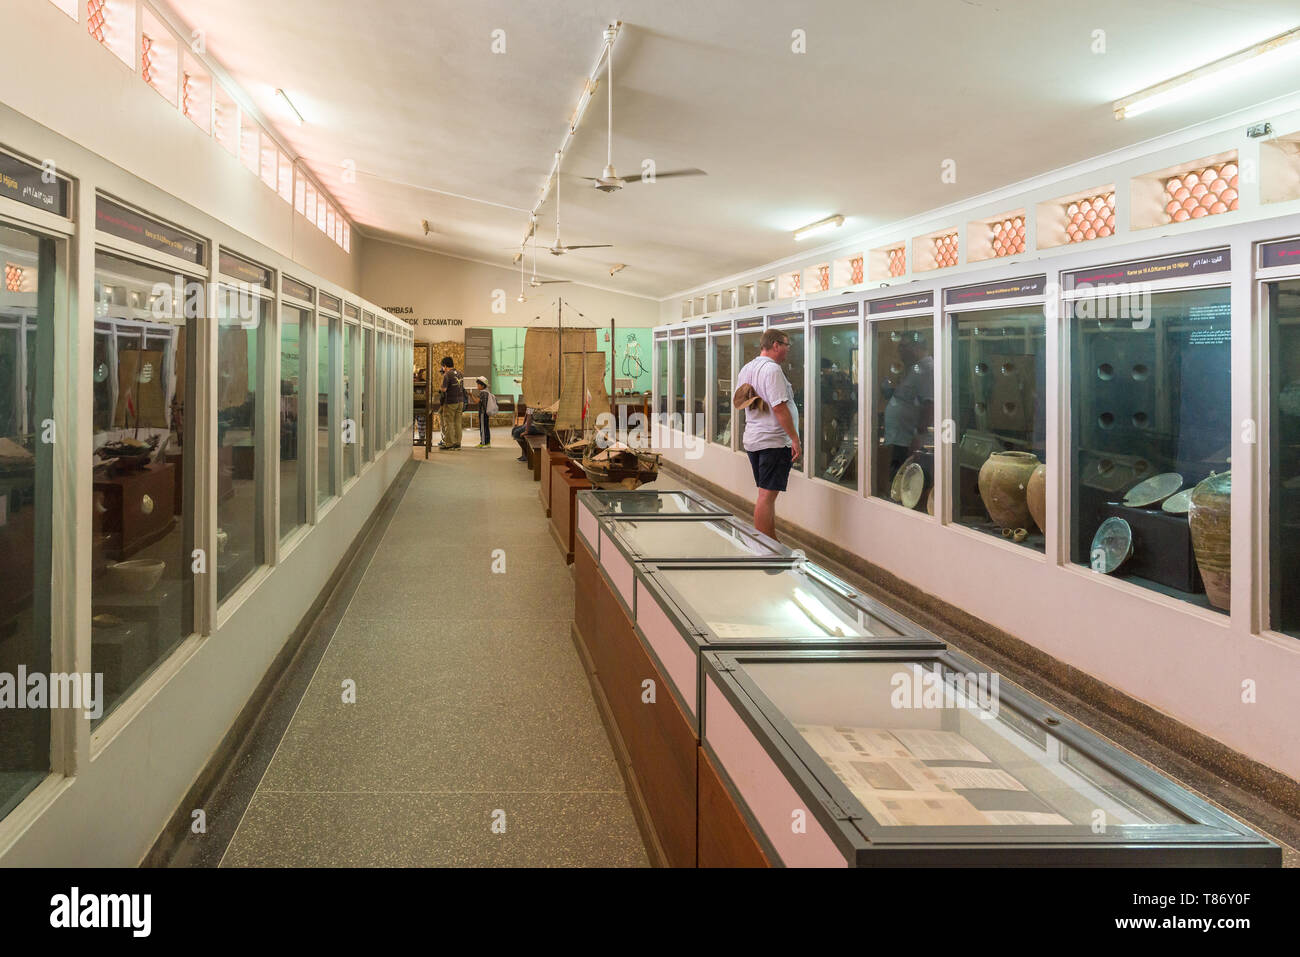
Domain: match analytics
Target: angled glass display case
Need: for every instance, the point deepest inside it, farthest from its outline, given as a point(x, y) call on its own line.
point(924, 758)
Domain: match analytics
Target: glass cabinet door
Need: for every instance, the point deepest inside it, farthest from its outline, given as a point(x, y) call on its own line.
point(999, 406)
point(351, 332)
point(793, 367)
point(1151, 418)
point(324, 399)
point(293, 476)
point(748, 343)
point(661, 367)
point(699, 385)
point(241, 324)
point(677, 379)
point(836, 453)
point(142, 519)
point(1284, 451)
point(26, 509)
point(903, 383)
point(720, 429)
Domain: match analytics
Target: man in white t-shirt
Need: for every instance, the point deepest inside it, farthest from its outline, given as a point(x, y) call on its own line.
point(771, 437)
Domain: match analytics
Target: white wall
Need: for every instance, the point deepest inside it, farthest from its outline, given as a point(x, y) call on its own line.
point(54, 72)
point(443, 287)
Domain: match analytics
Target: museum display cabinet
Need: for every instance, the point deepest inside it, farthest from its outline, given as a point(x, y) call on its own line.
point(640, 627)
point(836, 353)
point(567, 480)
point(597, 503)
point(871, 758)
point(720, 373)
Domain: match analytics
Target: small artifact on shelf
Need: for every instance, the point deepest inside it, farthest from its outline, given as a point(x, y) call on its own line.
point(1111, 546)
point(1154, 490)
point(136, 576)
point(1003, 484)
point(1210, 516)
point(913, 485)
point(1179, 503)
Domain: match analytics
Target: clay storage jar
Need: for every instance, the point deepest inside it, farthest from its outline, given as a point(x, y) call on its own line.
point(1003, 481)
point(1210, 516)
point(1036, 497)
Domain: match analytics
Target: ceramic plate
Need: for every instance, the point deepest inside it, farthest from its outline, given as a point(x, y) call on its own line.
point(1111, 546)
point(896, 486)
point(1154, 490)
point(913, 484)
point(1179, 503)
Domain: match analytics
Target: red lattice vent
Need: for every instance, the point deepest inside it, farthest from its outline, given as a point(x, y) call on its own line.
point(1009, 236)
point(146, 58)
point(13, 278)
point(1200, 193)
point(823, 277)
point(1091, 218)
point(945, 250)
point(96, 19)
point(897, 261)
point(855, 270)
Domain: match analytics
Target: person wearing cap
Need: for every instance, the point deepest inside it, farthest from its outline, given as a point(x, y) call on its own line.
point(487, 404)
point(453, 403)
point(771, 437)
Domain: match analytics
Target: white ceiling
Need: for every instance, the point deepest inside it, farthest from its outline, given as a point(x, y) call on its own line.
point(858, 125)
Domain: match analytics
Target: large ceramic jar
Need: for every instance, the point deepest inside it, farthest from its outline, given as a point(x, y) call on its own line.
point(1003, 481)
point(1210, 516)
point(1036, 496)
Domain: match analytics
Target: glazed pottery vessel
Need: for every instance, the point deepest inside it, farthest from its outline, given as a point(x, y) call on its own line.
point(1036, 496)
point(1210, 516)
point(1003, 481)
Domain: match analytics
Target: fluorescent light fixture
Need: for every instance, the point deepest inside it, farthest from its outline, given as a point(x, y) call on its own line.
point(822, 616)
point(289, 103)
point(1208, 78)
point(821, 226)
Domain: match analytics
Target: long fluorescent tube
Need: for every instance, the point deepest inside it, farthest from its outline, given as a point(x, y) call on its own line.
point(1206, 78)
point(288, 102)
point(821, 226)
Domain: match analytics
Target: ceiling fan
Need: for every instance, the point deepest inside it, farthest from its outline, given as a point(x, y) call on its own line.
point(609, 181)
point(534, 282)
point(559, 249)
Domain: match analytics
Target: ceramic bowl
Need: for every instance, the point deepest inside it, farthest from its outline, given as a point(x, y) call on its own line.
point(136, 576)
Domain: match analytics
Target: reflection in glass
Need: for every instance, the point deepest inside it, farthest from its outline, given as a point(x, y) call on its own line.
point(1150, 397)
point(721, 428)
point(26, 482)
point(999, 405)
point(141, 589)
point(837, 404)
point(904, 406)
point(350, 379)
point(749, 349)
point(1284, 445)
point(241, 319)
point(324, 436)
point(699, 384)
point(969, 763)
point(293, 500)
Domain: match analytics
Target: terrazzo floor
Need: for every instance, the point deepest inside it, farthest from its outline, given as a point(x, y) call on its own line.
point(473, 738)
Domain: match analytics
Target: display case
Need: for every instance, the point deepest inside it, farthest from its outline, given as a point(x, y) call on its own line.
point(999, 406)
point(903, 409)
point(596, 503)
point(697, 356)
point(642, 655)
point(836, 447)
point(623, 540)
point(749, 335)
point(793, 367)
point(1283, 299)
point(1151, 430)
point(720, 364)
point(923, 758)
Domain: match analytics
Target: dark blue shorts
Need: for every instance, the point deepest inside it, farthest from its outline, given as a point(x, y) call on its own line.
point(771, 467)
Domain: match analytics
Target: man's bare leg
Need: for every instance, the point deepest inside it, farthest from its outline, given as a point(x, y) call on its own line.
point(765, 511)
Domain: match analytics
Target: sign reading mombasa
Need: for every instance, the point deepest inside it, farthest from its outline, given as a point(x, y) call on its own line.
point(117, 220)
point(408, 313)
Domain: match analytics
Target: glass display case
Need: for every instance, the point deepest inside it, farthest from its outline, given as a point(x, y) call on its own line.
point(677, 378)
point(793, 367)
point(688, 537)
point(351, 332)
point(661, 374)
point(697, 351)
point(141, 582)
point(720, 427)
point(27, 362)
point(923, 758)
point(599, 502)
point(241, 347)
point(1151, 410)
point(749, 336)
point(836, 452)
point(999, 396)
point(324, 399)
point(293, 474)
point(1284, 462)
point(903, 408)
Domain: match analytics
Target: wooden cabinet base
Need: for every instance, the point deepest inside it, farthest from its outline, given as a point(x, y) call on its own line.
point(565, 486)
point(724, 838)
